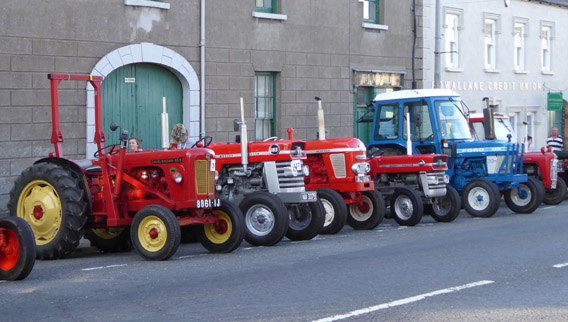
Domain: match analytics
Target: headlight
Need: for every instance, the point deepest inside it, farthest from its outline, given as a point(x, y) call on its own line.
point(290, 172)
point(361, 168)
point(306, 170)
point(177, 177)
point(216, 175)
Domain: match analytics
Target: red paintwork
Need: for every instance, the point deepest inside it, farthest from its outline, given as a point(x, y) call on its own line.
point(407, 164)
point(9, 249)
point(123, 184)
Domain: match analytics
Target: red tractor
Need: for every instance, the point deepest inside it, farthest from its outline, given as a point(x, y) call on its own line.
point(17, 249)
point(267, 180)
point(339, 173)
point(147, 195)
point(543, 165)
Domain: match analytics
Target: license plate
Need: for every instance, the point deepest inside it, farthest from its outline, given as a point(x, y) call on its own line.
point(212, 165)
point(207, 203)
point(310, 195)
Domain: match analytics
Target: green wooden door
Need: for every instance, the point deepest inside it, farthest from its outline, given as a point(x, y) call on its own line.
point(132, 97)
point(363, 115)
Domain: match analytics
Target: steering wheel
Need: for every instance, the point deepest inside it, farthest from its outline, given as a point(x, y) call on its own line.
point(113, 150)
point(206, 141)
point(272, 138)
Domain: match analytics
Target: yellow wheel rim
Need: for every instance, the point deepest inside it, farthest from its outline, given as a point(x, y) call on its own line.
point(108, 233)
point(152, 233)
point(40, 206)
point(219, 232)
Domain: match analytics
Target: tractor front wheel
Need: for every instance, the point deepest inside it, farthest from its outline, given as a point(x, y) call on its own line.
point(155, 233)
point(369, 213)
point(306, 220)
point(526, 198)
point(481, 198)
point(227, 233)
point(266, 218)
point(406, 207)
point(17, 249)
point(555, 196)
point(335, 211)
point(446, 208)
point(51, 199)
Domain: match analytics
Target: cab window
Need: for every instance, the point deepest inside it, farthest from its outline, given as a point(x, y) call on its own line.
point(387, 122)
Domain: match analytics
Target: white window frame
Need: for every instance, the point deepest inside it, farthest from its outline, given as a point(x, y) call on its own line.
point(546, 46)
point(513, 118)
point(490, 51)
point(452, 44)
point(530, 122)
point(519, 44)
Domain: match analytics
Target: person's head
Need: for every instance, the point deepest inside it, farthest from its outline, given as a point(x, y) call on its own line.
point(134, 144)
point(529, 139)
point(554, 131)
point(184, 136)
point(177, 133)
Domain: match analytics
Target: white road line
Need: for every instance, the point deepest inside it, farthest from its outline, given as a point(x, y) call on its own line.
point(560, 265)
point(548, 207)
point(102, 267)
point(403, 301)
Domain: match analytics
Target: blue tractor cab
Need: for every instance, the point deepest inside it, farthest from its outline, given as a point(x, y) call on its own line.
point(480, 171)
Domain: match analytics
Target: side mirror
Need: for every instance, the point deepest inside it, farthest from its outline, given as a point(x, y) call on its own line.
point(236, 125)
point(113, 126)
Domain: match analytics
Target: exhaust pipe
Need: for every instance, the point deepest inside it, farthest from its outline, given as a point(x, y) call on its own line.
point(321, 124)
point(244, 139)
point(408, 139)
point(165, 126)
point(488, 121)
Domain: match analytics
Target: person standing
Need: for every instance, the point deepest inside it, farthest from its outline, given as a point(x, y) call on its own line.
point(530, 147)
point(555, 141)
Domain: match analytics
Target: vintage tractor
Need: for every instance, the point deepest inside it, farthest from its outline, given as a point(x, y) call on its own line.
point(478, 170)
point(543, 165)
point(148, 195)
point(17, 249)
point(267, 180)
point(339, 172)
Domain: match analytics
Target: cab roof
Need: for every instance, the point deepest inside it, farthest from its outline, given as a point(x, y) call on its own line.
point(415, 93)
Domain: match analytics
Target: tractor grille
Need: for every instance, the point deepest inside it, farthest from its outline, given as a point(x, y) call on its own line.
point(436, 180)
point(201, 177)
point(338, 164)
point(285, 179)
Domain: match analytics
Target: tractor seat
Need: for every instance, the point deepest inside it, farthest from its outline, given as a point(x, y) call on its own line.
point(93, 169)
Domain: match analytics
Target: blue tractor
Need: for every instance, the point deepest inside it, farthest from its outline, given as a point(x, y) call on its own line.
point(437, 123)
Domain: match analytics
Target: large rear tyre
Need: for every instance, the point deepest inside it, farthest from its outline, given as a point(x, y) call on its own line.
point(306, 220)
point(407, 207)
point(17, 249)
point(526, 198)
point(109, 240)
point(266, 218)
point(369, 213)
point(446, 208)
point(155, 233)
point(51, 199)
point(335, 211)
point(227, 233)
point(555, 196)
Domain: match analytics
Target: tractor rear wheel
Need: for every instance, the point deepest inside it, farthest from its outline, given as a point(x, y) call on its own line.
point(369, 213)
point(266, 218)
point(555, 196)
point(306, 220)
point(335, 211)
point(406, 206)
point(227, 233)
point(446, 208)
point(109, 240)
point(526, 198)
point(17, 249)
point(155, 233)
point(481, 198)
point(51, 199)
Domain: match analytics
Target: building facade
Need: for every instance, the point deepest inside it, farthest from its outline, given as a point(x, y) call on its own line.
point(277, 55)
point(511, 52)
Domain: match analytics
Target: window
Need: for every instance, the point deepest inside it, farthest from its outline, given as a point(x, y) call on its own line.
point(530, 125)
point(519, 42)
point(513, 118)
point(420, 124)
point(387, 122)
point(265, 105)
point(370, 11)
point(545, 32)
point(490, 59)
point(268, 6)
point(451, 36)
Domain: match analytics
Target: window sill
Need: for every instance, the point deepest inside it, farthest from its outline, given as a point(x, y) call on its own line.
point(524, 72)
point(547, 72)
point(454, 70)
point(147, 3)
point(492, 70)
point(272, 16)
point(375, 26)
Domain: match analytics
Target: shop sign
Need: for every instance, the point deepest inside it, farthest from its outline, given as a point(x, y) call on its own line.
point(378, 79)
point(555, 102)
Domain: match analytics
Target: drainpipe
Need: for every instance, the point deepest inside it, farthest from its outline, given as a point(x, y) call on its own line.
point(202, 92)
point(438, 45)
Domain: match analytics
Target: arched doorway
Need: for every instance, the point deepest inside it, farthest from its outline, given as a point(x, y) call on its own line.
point(133, 99)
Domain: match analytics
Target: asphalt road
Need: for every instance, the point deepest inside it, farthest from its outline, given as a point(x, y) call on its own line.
point(473, 269)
